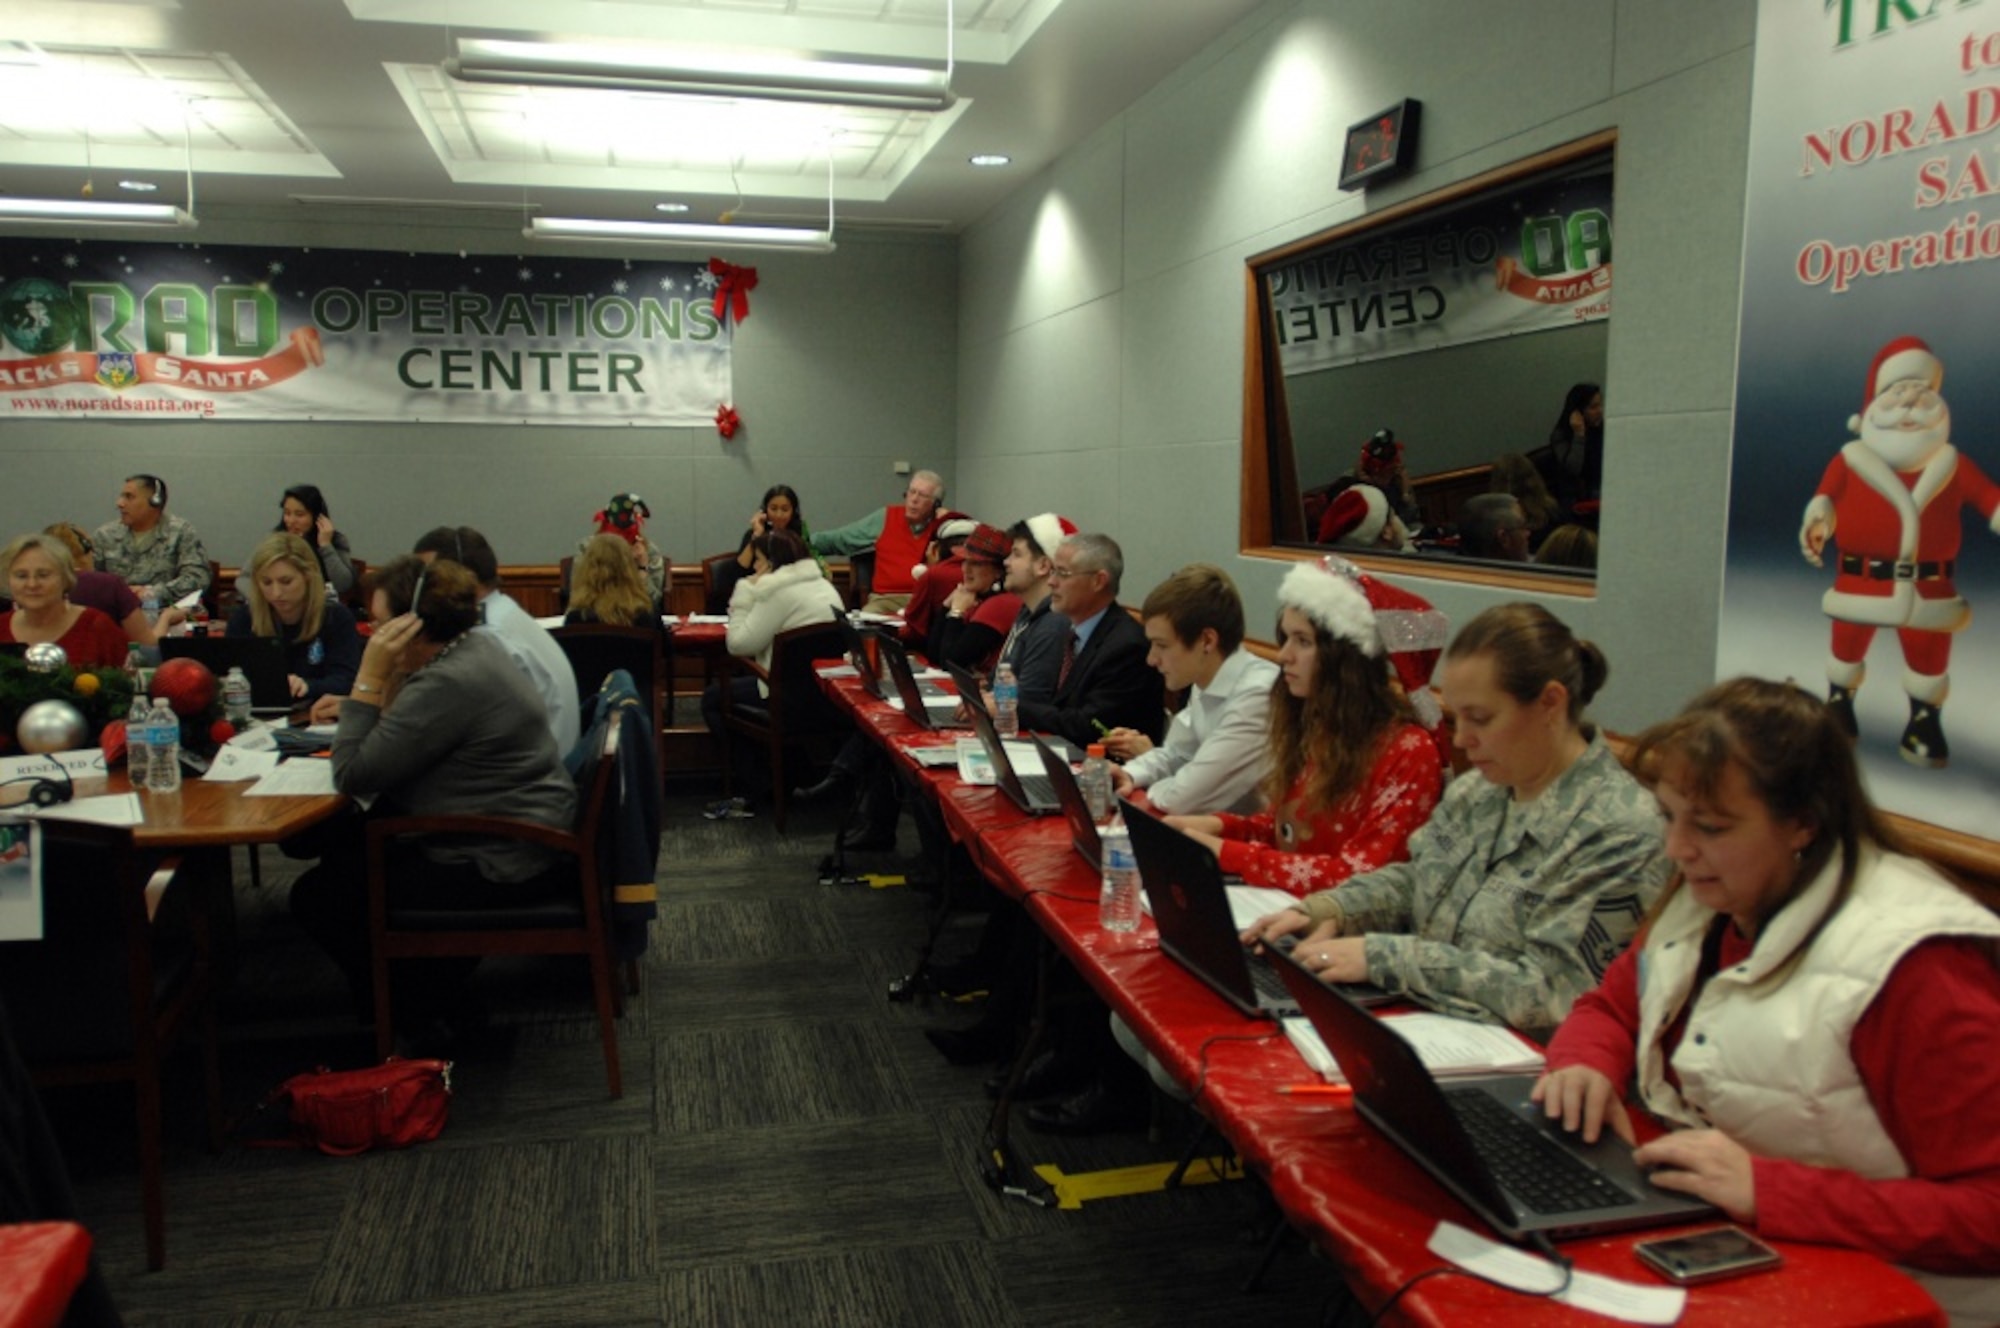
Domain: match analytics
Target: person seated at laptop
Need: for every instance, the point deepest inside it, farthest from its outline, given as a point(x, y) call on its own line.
point(1815, 1013)
point(779, 510)
point(1526, 882)
point(1351, 773)
point(978, 614)
point(1102, 678)
point(109, 594)
point(787, 590)
point(285, 597)
point(1218, 747)
point(441, 722)
point(606, 586)
point(39, 577)
point(303, 512)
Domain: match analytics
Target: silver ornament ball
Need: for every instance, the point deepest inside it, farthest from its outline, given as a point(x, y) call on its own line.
point(45, 657)
point(51, 726)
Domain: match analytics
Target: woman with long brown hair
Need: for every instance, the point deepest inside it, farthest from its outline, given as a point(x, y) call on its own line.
point(1814, 1014)
point(1352, 773)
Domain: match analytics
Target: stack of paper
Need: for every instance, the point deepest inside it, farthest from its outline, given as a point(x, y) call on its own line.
point(1446, 1044)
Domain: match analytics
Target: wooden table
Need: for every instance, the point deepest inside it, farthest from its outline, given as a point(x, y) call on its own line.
point(207, 815)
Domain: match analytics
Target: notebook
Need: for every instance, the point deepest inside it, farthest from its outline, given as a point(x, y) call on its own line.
point(1033, 794)
point(262, 659)
point(934, 709)
point(1082, 826)
point(1481, 1137)
point(857, 655)
point(1190, 904)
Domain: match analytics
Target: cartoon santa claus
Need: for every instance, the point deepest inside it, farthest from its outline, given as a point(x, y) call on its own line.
point(1890, 502)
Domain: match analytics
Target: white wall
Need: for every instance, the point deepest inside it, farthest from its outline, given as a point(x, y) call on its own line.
point(844, 366)
point(1100, 309)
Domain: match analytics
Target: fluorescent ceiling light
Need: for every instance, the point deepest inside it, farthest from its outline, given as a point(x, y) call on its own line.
point(705, 73)
point(139, 186)
point(990, 159)
point(88, 213)
point(799, 238)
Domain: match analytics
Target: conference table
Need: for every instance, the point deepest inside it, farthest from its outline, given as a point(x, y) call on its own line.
point(205, 813)
point(1338, 1180)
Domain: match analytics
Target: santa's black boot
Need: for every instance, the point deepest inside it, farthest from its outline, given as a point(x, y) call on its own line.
point(1840, 704)
point(1923, 737)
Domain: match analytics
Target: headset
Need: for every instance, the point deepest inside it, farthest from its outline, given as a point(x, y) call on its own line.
point(159, 487)
point(46, 792)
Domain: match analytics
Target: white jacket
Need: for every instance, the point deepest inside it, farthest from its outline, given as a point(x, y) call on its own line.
point(1764, 1057)
point(795, 595)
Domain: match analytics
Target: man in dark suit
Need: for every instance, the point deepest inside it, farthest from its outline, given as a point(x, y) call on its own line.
point(1104, 681)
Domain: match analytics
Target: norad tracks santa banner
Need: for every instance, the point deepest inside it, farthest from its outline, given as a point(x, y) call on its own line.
point(99, 330)
point(1864, 519)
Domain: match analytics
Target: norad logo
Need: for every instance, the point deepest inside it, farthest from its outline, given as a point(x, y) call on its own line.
point(1878, 18)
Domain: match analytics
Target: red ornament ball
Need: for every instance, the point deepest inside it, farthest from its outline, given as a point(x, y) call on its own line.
point(221, 731)
point(186, 685)
point(112, 740)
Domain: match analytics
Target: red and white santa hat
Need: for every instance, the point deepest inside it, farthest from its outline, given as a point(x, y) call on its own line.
point(1902, 359)
point(1049, 531)
point(1376, 618)
point(1356, 516)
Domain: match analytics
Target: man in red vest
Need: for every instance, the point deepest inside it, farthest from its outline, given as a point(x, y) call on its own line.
point(897, 537)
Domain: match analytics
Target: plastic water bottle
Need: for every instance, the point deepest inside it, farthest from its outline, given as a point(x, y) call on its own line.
point(138, 742)
point(236, 699)
point(164, 735)
point(1006, 702)
point(1094, 780)
point(150, 602)
point(1118, 902)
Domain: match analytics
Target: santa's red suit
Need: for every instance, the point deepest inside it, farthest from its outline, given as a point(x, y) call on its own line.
point(1897, 532)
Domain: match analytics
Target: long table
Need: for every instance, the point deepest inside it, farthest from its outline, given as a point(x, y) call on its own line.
point(1351, 1190)
point(203, 814)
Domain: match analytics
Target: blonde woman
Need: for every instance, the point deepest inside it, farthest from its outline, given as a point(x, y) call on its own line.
point(607, 585)
point(284, 597)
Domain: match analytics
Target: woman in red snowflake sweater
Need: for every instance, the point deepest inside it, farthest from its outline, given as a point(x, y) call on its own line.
point(1352, 773)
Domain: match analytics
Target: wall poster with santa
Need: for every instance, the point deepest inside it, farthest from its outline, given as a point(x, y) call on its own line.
point(1864, 527)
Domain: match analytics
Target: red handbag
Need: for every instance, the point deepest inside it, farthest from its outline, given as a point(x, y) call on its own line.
point(391, 1105)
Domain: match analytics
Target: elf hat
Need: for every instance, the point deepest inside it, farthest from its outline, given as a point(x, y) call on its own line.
point(1376, 618)
point(1049, 531)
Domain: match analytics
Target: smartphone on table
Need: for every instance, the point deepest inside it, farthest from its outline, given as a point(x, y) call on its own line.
point(1708, 1256)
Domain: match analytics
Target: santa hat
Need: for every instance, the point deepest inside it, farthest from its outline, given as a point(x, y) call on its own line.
point(1049, 531)
point(1356, 516)
point(624, 516)
point(1376, 618)
point(1902, 359)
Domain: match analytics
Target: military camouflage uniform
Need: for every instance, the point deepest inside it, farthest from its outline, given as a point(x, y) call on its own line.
point(1508, 912)
point(169, 556)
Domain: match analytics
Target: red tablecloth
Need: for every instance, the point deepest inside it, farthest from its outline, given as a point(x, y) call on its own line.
point(1355, 1193)
point(41, 1265)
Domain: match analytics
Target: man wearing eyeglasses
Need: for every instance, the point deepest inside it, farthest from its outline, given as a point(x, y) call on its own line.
point(897, 535)
point(1102, 679)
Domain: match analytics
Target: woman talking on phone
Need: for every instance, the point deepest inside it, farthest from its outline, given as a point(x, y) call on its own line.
point(1817, 1014)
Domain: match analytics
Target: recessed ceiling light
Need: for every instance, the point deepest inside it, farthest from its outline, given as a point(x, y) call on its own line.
point(992, 159)
point(670, 207)
point(139, 186)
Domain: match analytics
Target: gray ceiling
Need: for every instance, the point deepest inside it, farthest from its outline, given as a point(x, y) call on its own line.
point(319, 103)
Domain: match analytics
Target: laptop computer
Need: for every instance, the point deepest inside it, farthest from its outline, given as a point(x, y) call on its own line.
point(262, 659)
point(1190, 901)
point(1032, 793)
point(1481, 1137)
point(1082, 826)
point(857, 655)
point(935, 709)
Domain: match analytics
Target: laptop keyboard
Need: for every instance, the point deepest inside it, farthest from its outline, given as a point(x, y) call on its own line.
point(1040, 791)
point(1529, 1165)
point(1272, 993)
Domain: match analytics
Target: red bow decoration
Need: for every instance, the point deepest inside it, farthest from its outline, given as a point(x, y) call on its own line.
point(726, 420)
point(732, 293)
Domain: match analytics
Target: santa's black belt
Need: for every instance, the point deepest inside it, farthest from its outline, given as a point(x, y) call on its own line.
point(1876, 569)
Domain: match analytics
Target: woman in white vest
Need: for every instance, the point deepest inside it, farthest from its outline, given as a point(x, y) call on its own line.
point(1815, 1015)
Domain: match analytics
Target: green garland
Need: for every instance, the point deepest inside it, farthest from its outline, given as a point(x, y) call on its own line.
point(105, 697)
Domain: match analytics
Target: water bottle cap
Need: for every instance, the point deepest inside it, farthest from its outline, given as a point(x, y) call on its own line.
point(1095, 750)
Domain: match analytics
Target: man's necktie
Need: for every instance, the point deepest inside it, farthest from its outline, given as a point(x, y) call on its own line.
point(1069, 658)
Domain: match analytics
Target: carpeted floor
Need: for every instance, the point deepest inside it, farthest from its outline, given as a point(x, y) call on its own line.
point(789, 1149)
